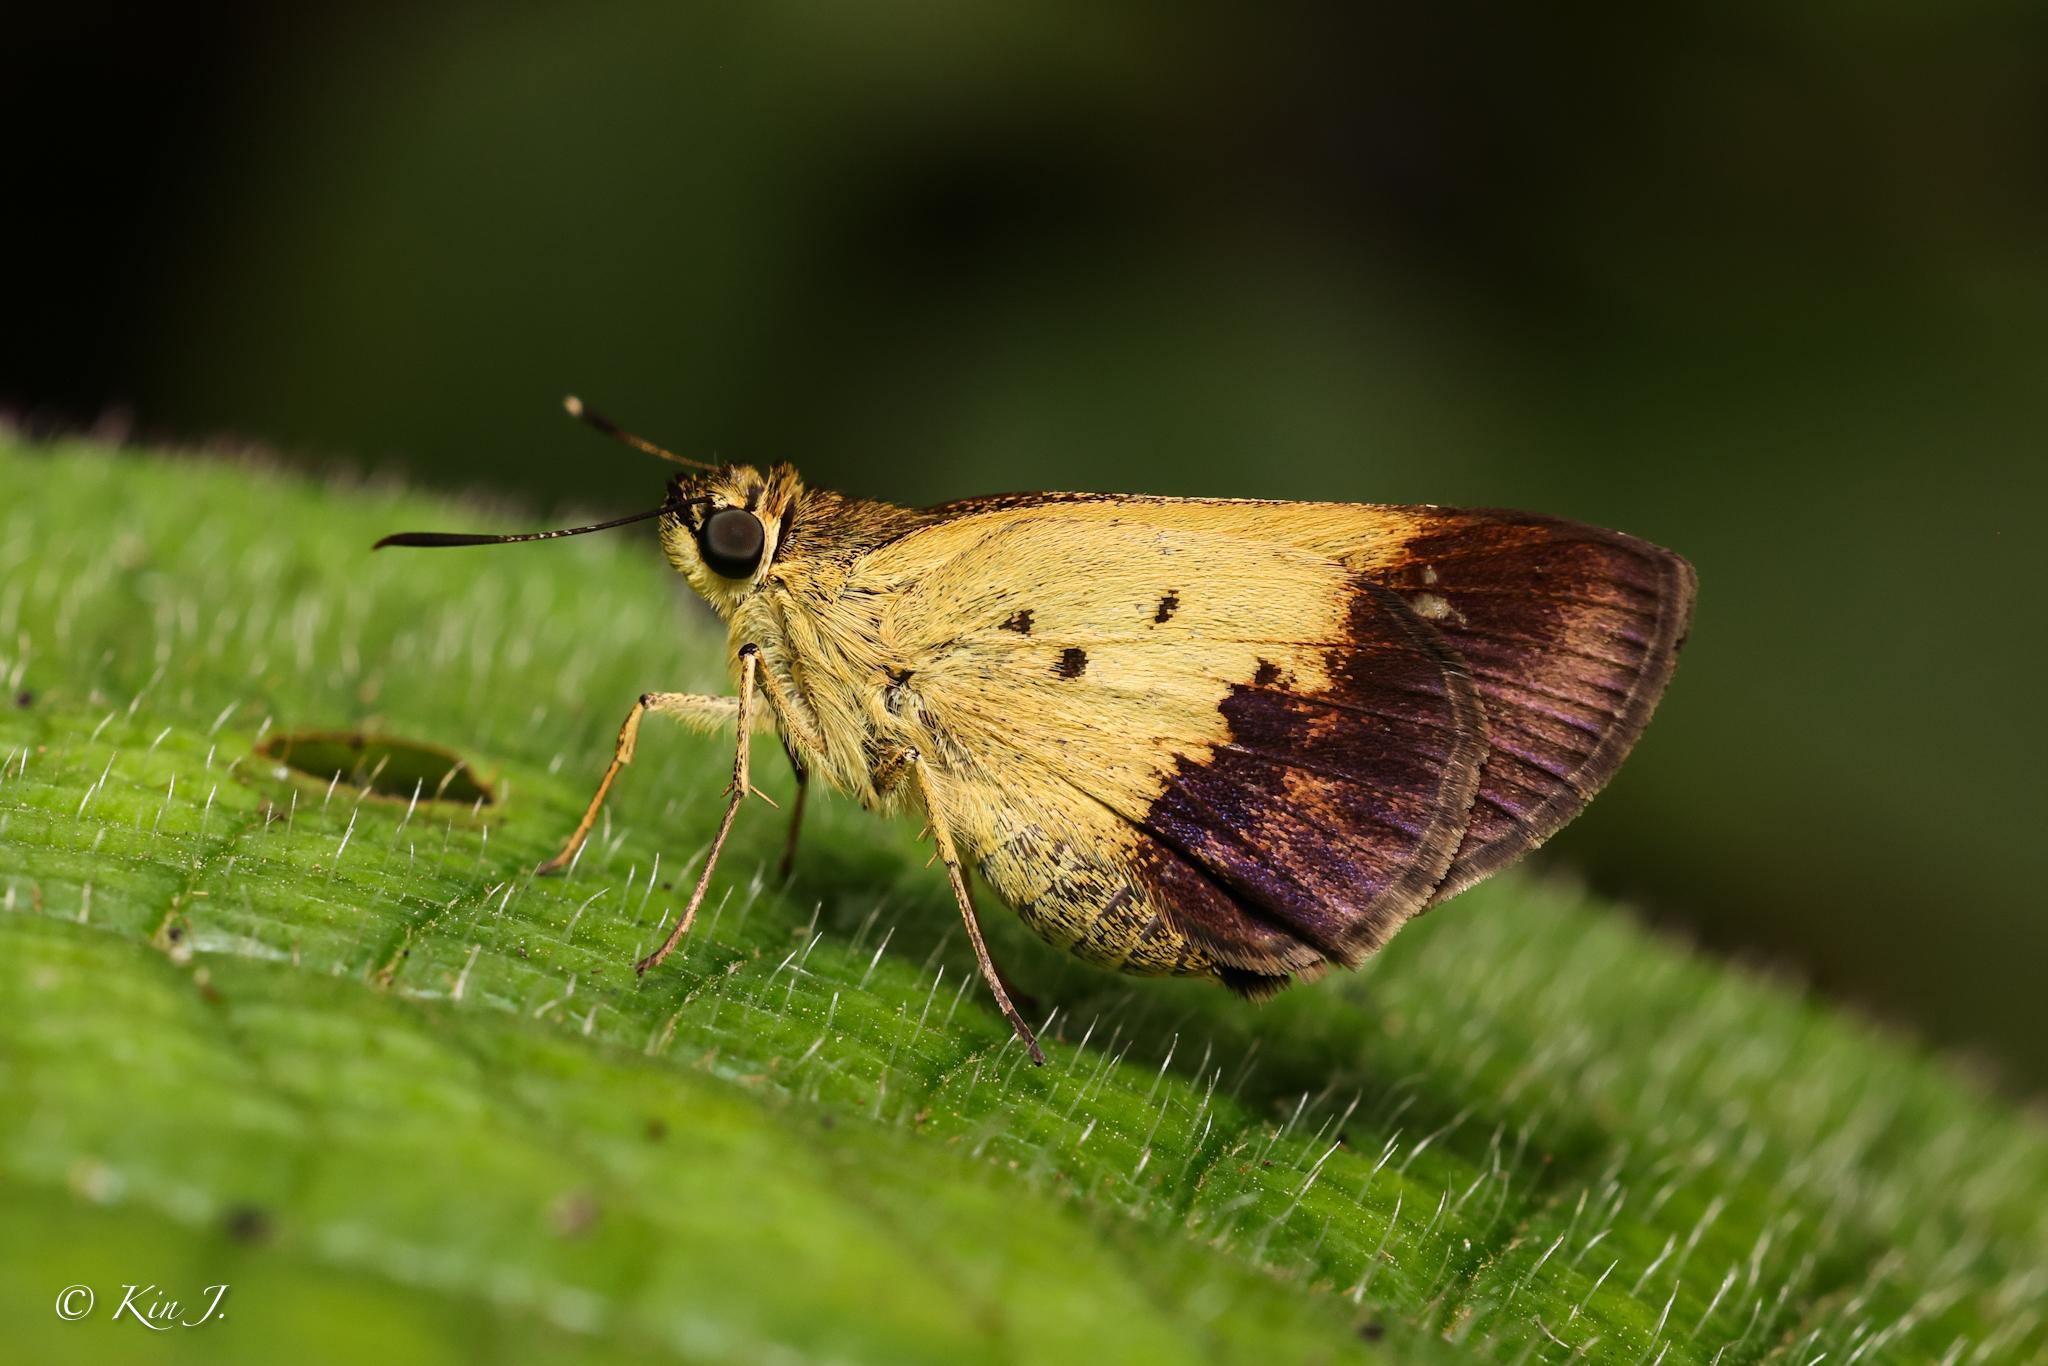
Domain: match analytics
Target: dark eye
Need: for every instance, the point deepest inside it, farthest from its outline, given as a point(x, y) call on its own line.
point(730, 542)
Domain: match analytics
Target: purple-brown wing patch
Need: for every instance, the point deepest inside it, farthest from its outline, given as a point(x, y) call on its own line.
point(1570, 633)
point(1331, 813)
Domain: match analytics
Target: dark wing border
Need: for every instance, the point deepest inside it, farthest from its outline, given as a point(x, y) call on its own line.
point(1330, 817)
point(1571, 633)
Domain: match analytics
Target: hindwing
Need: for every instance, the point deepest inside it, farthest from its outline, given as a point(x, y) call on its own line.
point(1289, 753)
point(1242, 737)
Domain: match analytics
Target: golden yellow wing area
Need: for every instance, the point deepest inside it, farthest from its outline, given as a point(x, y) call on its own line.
point(1174, 750)
point(1239, 738)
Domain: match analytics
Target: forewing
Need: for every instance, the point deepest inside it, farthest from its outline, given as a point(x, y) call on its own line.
point(1289, 752)
point(1571, 632)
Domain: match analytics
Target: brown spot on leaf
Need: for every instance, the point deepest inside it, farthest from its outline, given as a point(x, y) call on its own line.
point(573, 1214)
point(246, 1223)
point(1073, 662)
point(385, 767)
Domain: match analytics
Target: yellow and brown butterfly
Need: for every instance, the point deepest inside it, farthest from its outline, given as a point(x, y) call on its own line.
point(1231, 739)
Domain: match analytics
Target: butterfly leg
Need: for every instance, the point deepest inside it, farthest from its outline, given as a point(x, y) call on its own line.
point(796, 816)
point(886, 775)
point(1022, 999)
point(735, 793)
point(691, 708)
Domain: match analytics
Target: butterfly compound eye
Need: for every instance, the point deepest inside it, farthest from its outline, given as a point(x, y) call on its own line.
point(730, 542)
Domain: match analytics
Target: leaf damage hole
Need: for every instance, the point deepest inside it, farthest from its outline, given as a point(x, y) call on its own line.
point(381, 765)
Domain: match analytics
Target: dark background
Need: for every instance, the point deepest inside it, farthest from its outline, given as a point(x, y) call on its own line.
point(1768, 284)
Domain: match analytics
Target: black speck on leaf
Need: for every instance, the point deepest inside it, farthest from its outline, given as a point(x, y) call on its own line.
point(246, 1223)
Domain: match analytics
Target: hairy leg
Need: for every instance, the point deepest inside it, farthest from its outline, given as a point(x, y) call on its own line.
point(692, 708)
point(796, 818)
point(736, 793)
point(887, 774)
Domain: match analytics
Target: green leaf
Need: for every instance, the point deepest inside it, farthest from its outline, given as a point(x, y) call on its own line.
point(340, 1051)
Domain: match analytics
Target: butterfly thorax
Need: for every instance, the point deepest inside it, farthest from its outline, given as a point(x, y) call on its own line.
point(832, 681)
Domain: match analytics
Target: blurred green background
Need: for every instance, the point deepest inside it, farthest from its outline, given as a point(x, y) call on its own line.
point(1765, 283)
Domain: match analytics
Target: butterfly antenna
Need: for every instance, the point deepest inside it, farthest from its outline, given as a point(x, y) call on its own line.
point(441, 538)
point(613, 430)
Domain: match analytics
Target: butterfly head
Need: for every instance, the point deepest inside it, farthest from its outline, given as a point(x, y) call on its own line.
point(720, 528)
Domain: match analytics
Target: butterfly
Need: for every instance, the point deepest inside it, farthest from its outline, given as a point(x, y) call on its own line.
point(1229, 739)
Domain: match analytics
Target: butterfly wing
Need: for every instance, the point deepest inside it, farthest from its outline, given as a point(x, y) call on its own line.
point(1179, 749)
point(1241, 738)
point(1570, 632)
